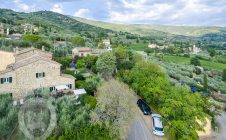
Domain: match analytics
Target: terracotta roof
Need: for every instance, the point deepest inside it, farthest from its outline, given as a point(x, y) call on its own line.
point(84, 49)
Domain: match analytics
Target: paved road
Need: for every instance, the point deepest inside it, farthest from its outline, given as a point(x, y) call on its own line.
point(141, 129)
point(222, 124)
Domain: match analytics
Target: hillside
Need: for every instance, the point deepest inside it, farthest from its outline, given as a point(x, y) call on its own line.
point(62, 27)
point(145, 29)
point(58, 23)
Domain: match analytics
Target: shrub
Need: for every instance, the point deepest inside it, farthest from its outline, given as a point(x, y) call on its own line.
point(224, 75)
point(80, 84)
point(195, 61)
point(90, 100)
point(79, 76)
point(70, 72)
point(8, 115)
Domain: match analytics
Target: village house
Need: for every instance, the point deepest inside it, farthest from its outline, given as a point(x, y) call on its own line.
point(107, 44)
point(29, 28)
point(153, 46)
point(194, 49)
point(81, 51)
point(23, 71)
point(84, 51)
point(15, 36)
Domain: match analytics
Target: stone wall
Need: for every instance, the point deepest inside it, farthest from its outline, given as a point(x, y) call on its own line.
point(6, 58)
point(24, 78)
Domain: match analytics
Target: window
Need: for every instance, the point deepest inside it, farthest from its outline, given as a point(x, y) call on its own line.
point(51, 89)
point(6, 80)
point(40, 75)
point(70, 86)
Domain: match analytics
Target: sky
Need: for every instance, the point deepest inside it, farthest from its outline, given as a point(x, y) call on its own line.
point(168, 12)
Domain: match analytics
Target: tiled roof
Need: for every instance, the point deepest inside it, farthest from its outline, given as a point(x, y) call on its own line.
point(68, 76)
point(84, 49)
point(25, 50)
point(29, 60)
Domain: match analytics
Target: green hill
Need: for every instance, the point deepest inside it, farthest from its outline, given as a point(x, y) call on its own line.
point(145, 29)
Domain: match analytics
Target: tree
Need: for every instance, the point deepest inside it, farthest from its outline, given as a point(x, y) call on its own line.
point(90, 132)
point(8, 115)
point(92, 83)
point(65, 61)
point(212, 52)
point(78, 40)
point(71, 117)
point(32, 38)
point(106, 64)
point(122, 58)
point(90, 61)
point(81, 63)
point(205, 83)
point(180, 109)
point(195, 61)
point(224, 75)
point(115, 104)
point(149, 50)
point(90, 100)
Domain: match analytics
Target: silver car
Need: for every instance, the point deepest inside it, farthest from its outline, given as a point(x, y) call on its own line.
point(157, 124)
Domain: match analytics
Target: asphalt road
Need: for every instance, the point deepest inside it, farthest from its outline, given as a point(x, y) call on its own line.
point(139, 131)
point(222, 126)
point(141, 128)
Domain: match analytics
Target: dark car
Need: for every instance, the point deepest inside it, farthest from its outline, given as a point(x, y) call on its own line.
point(143, 107)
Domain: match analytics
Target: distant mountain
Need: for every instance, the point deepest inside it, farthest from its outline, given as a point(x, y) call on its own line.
point(54, 24)
point(146, 30)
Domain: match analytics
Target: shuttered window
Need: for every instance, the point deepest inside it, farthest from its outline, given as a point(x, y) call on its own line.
point(51, 89)
point(40, 75)
point(2, 80)
point(6, 80)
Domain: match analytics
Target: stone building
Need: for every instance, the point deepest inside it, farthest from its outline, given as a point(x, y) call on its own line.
point(29, 28)
point(194, 49)
point(29, 69)
point(83, 51)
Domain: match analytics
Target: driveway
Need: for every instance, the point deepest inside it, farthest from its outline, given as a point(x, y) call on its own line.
point(221, 119)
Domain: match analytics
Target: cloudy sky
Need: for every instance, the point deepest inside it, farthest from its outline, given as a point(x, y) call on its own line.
point(170, 12)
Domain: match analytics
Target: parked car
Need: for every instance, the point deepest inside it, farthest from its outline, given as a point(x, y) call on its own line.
point(143, 107)
point(157, 124)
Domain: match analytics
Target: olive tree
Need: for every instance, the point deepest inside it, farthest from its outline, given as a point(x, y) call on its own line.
point(106, 64)
point(115, 104)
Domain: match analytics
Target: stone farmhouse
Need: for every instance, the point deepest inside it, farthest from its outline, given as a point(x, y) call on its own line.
point(84, 51)
point(29, 69)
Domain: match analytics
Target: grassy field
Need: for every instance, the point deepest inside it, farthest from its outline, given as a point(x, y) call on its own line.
point(221, 59)
point(138, 47)
point(186, 60)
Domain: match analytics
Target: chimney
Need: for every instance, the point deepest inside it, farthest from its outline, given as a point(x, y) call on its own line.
point(16, 50)
point(43, 48)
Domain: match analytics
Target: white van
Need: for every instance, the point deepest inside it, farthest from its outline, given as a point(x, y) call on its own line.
point(157, 124)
